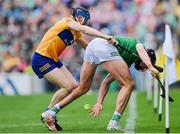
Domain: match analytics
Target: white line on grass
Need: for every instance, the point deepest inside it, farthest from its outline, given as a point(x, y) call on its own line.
point(131, 119)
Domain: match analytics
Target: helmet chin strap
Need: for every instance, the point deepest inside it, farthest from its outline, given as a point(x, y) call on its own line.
point(76, 19)
point(83, 21)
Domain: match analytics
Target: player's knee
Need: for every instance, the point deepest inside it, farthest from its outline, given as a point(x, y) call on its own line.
point(129, 84)
point(71, 86)
point(75, 85)
point(132, 83)
point(84, 88)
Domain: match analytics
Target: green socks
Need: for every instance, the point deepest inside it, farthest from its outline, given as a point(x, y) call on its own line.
point(54, 110)
point(116, 116)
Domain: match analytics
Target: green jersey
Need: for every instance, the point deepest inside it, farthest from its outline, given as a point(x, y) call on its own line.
point(129, 44)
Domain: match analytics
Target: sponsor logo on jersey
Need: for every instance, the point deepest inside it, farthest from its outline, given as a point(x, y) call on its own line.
point(66, 36)
point(114, 54)
point(45, 67)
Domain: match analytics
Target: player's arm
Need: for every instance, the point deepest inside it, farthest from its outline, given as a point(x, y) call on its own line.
point(89, 31)
point(82, 42)
point(145, 58)
point(101, 95)
point(143, 55)
point(104, 88)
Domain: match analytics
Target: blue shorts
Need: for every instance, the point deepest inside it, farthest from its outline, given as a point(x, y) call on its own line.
point(42, 65)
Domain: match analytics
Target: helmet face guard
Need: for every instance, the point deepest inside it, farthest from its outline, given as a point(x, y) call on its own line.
point(80, 11)
point(152, 57)
point(138, 67)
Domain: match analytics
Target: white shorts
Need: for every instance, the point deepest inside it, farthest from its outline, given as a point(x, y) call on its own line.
point(99, 50)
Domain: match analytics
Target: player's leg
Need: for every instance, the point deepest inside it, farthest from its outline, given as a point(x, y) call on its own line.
point(120, 71)
point(57, 74)
point(62, 78)
point(54, 72)
point(58, 96)
point(87, 73)
point(86, 77)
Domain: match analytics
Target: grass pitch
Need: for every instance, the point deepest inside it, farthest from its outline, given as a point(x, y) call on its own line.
point(21, 114)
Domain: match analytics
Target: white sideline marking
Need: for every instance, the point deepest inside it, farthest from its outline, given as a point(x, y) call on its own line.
point(132, 113)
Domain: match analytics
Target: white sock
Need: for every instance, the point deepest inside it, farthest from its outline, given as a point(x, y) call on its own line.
point(54, 110)
point(116, 113)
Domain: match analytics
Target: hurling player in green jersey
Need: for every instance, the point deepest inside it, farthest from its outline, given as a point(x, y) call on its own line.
point(117, 62)
point(145, 60)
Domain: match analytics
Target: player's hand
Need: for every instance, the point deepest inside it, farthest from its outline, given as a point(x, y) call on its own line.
point(97, 108)
point(154, 72)
point(112, 40)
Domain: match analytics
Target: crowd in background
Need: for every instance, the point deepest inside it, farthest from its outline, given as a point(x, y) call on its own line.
point(23, 23)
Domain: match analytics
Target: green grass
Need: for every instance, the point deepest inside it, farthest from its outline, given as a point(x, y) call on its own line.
point(148, 120)
point(21, 114)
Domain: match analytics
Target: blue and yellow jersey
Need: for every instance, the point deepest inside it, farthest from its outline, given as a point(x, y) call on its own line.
point(56, 39)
